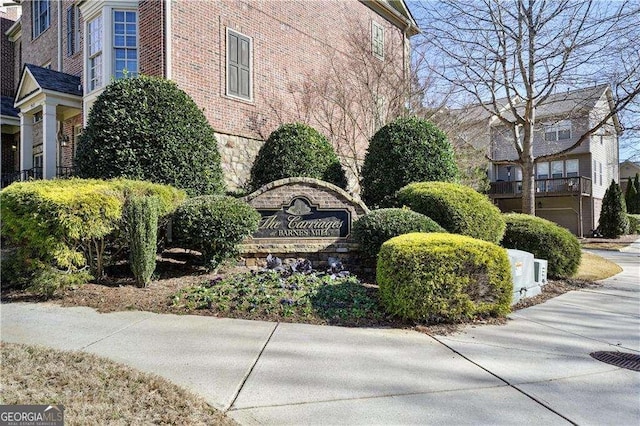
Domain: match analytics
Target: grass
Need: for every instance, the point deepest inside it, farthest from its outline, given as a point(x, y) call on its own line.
point(594, 268)
point(95, 390)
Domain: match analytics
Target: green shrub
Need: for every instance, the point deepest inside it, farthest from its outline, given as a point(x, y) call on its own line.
point(296, 150)
point(141, 219)
point(147, 128)
point(404, 151)
point(457, 208)
point(613, 216)
point(634, 223)
point(630, 196)
point(214, 226)
point(373, 229)
point(65, 223)
point(21, 272)
point(545, 240)
point(443, 277)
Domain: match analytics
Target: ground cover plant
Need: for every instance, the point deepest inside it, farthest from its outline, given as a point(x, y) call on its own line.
point(293, 292)
point(98, 389)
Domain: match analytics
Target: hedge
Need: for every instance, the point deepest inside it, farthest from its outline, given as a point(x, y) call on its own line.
point(64, 223)
point(404, 151)
point(545, 240)
point(440, 277)
point(457, 208)
point(373, 229)
point(147, 128)
point(214, 226)
point(296, 150)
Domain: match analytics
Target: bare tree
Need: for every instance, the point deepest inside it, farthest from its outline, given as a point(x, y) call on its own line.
point(354, 96)
point(510, 56)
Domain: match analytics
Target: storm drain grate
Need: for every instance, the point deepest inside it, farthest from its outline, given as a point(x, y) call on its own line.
point(619, 359)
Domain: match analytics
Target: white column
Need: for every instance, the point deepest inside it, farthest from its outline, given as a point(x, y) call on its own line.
point(49, 141)
point(26, 141)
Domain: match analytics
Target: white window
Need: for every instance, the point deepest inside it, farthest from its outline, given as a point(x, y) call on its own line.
point(37, 117)
point(595, 172)
point(41, 14)
point(572, 167)
point(94, 52)
point(557, 169)
point(239, 65)
point(377, 40)
point(542, 170)
point(557, 131)
point(125, 43)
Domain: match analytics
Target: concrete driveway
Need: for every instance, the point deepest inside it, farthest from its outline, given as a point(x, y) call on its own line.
point(536, 369)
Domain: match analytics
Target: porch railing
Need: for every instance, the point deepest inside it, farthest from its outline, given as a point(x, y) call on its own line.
point(556, 186)
point(32, 174)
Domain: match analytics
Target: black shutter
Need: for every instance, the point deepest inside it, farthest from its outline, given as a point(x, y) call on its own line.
point(70, 32)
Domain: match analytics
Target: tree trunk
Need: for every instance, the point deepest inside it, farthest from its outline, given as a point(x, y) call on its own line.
point(528, 172)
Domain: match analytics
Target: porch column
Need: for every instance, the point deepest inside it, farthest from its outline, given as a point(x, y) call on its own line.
point(49, 142)
point(26, 141)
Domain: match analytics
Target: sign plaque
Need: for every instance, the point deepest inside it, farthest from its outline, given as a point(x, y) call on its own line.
point(302, 219)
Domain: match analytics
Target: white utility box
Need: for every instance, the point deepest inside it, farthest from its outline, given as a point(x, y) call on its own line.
point(522, 271)
point(540, 271)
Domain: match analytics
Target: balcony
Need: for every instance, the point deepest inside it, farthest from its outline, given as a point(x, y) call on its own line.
point(544, 187)
point(32, 174)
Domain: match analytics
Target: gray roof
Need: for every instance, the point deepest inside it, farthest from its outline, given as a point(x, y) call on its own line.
point(7, 107)
point(56, 80)
point(559, 104)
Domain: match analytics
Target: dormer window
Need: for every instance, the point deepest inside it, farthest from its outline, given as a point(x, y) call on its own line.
point(557, 131)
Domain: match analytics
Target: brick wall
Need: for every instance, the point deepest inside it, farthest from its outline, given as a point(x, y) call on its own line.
point(291, 41)
point(7, 52)
point(43, 48)
point(151, 30)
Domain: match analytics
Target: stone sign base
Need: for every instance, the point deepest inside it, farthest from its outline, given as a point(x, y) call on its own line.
point(304, 218)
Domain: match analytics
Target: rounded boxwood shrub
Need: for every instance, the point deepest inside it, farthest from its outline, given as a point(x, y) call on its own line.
point(373, 229)
point(634, 223)
point(214, 226)
point(148, 129)
point(457, 208)
point(440, 277)
point(545, 240)
point(296, 150)
point(404, 151)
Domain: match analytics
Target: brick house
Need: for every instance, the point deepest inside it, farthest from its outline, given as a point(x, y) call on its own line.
point(569, 187)
point(234, 58)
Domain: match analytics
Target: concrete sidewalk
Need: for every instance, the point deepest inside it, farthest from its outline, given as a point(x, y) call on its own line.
point(534, 370)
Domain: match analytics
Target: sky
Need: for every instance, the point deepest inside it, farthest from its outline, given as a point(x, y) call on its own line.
point(629, 141)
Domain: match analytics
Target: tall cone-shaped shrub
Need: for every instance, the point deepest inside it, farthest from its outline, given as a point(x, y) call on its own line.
point(141, 217)
point(630, 196)
point(613, 216)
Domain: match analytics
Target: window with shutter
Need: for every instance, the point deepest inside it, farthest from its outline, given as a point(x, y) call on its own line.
point(239, 58)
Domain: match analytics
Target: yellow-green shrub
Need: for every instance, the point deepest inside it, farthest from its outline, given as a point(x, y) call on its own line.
point(64, 222)
point(437, 277)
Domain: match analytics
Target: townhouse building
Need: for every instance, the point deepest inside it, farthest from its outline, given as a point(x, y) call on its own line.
point(235, 58)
